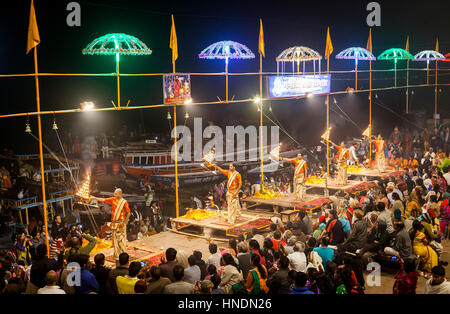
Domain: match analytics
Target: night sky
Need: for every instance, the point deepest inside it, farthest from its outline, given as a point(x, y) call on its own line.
point(198, 24)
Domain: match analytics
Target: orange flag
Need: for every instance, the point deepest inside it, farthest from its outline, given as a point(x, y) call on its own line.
point(437, 45)
point(261, 39)
point(369, 41)
point(173, 42)
point(407, 43)
point(33, 32)
point(329, 45)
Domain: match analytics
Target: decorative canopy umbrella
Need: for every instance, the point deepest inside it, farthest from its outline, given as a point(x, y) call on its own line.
point(428, 55)
point(447, 57)
point(395, 54)
point(226, 49)
point(298, 54)
point(356, 53)
point(117, 44)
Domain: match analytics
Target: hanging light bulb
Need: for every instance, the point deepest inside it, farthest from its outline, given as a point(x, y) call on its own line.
point(270, 108)
point(168, 115)
point(259, 109)
point(376, 95)
point(186, 115)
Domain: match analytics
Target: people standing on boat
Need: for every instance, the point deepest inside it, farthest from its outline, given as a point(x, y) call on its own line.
point(234, 184)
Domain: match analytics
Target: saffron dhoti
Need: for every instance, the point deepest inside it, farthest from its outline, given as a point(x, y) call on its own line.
point(299, 187)
point(234, 207)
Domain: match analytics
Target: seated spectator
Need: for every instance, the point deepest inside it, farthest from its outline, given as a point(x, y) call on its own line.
point(438, 284)
point(192, 273)
point(157, 283)
point(51, 287)
point(215, 256)
point(88, 283)
point(125, 284)
point(257, 277)
point(140, 287)
point(100, 272)
point(120, 270)
point(278, 282)
point(179, 286)
point(300, 284)
point(231, 274)
point(168, 265)
point(324, 252)
point(406, 279)
point(215, 279)
point(297, 260)
point(244, 257)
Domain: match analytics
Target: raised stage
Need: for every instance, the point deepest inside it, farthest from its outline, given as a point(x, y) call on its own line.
point(373, 174)
point(217, 224)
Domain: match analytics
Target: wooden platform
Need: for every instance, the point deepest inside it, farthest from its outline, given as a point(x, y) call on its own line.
point(218, 223)
point(289, 202)
point(332, 186)
point(373, 173)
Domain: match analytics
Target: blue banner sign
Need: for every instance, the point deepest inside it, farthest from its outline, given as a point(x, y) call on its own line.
point(298, 85)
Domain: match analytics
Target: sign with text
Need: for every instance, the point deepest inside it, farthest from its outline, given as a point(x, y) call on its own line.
point(298, 85)
point(177, 87)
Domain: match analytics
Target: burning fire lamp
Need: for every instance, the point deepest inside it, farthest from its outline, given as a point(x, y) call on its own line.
point(188, 101)
point(350, 90)
point(275, 153)
point(84, 190)
point(366, 132)
point(208, 159)
point(326, 135)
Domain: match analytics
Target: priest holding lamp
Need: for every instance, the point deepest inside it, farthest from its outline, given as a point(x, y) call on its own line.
point(234, 184)
point(119, 218)
point(299, 176)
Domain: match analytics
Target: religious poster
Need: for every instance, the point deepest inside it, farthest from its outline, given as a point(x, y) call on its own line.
point(177, 88)
point(298, 85)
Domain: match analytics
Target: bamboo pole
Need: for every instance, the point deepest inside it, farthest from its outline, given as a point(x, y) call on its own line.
point(395, 73)
point(261, 134)
point(435, 96)
point(226, 79)
point(177, 205)
point(356, 74)
point(328, 122)
point(370, 111)
point(407, 87)
point(41, 155)
point(428, 72)
point(118, 81)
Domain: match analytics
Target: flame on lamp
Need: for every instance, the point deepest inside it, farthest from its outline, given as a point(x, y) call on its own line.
point(276, 151)
point(326, 136)
point(84, 191)
point(366, 132)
